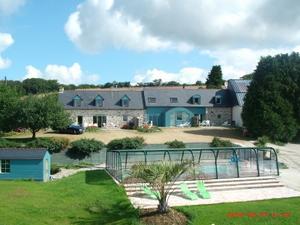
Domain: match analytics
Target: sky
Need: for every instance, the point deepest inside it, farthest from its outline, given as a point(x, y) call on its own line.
point(99, 41)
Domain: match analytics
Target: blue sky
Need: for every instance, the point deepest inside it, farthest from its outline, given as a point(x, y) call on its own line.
point(97, 41)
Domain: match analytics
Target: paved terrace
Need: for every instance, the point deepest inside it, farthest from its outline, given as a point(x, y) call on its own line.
point(222, 191)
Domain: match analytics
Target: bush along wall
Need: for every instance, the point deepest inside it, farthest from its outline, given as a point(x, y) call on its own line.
point(126, 143)
point(84, 147)
point(175, 144)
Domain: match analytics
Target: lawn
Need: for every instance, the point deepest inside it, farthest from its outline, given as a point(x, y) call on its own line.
point(86, 198)
point(268, 212)
point(90, 198)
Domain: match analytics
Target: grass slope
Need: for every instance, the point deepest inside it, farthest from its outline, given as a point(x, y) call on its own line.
point(90, 198)
point(86, 198)
point(220, 214)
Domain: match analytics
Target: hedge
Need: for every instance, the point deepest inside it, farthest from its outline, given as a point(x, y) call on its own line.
point(85, 147)
point(175, 144)
point(126, 143)
point(217, 142)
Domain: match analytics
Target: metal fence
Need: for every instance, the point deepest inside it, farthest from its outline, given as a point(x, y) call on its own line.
point(208, 163)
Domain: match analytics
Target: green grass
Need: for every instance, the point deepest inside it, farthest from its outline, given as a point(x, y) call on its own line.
point(90, 198)
point(219, 214)
point(86, 198)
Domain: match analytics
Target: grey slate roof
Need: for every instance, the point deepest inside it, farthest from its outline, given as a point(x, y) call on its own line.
point(184, 97)
point(238, 90)
point(22, 153)
point(111, 99)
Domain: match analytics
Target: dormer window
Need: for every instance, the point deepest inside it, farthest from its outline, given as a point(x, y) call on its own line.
point(151, 100)
point(173, 100)
point(196, 99)
point(218, 99)
point(77, 101)
point(125, 101)
point(99, 101)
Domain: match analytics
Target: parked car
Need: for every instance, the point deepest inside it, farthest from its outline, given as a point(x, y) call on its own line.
point(73, 129)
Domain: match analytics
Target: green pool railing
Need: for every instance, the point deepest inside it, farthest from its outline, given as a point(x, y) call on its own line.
point(235, 161)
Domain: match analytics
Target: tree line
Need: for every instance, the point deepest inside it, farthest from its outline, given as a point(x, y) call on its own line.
point(39, 85)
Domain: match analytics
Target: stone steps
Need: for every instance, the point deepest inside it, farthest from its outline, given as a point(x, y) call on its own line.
point(216, 185)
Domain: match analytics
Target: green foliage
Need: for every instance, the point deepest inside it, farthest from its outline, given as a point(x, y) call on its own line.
point(272, 103)
point(9, 102)
point(42, 112)
point(158, 176)
point(175, 144)
point(4, 143)
point(148, 129)
point(54, 145)
point(85, 146)
point(126, 143)
point(217, 142)
point(38, 86)
point(262, 141)
point(215, 77)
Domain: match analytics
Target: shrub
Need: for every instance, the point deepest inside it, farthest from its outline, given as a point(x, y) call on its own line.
point(175, 144)
point(86, 146)
point(6, 143)
point(217, 142)
point(126, 143)
point(92, 129)
point(262, 141)
point(54, 145)
point(148, 129)
point(54, 169)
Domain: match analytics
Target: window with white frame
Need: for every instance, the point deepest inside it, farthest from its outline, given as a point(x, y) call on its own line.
point(5, 166)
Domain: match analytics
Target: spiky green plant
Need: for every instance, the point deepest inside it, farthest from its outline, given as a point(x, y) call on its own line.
point(161, 178)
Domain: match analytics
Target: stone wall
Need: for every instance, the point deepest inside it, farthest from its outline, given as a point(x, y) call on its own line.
point(218, 115)
point(114, 118)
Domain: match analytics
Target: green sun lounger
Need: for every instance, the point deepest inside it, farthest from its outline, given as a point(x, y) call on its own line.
point(202, 190)
point(187, 192)
point(149, 192)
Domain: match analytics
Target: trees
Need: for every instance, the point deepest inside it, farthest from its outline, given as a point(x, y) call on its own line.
point(215, 77)
point(38, 85)
point(158, 176)
point(39, 112)
point(272, 103)
point(9, 101)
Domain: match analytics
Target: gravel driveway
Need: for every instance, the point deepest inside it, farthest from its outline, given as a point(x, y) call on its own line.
point(289, 155)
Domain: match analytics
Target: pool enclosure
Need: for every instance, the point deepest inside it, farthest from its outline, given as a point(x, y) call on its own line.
point(207, 163)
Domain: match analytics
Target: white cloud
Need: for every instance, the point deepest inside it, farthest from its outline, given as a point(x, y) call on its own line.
point(238, 62)
point(6, 40)
point(95, 25)
point(233, 33)
point(64, 74)
point(8, 7)
point(173, 24)
point(185, 75)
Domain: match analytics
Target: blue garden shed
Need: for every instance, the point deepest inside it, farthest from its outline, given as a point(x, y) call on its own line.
point(25, 163)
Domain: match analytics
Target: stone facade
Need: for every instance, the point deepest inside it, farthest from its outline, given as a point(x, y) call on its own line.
point(218, 115)
point(114, 118)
